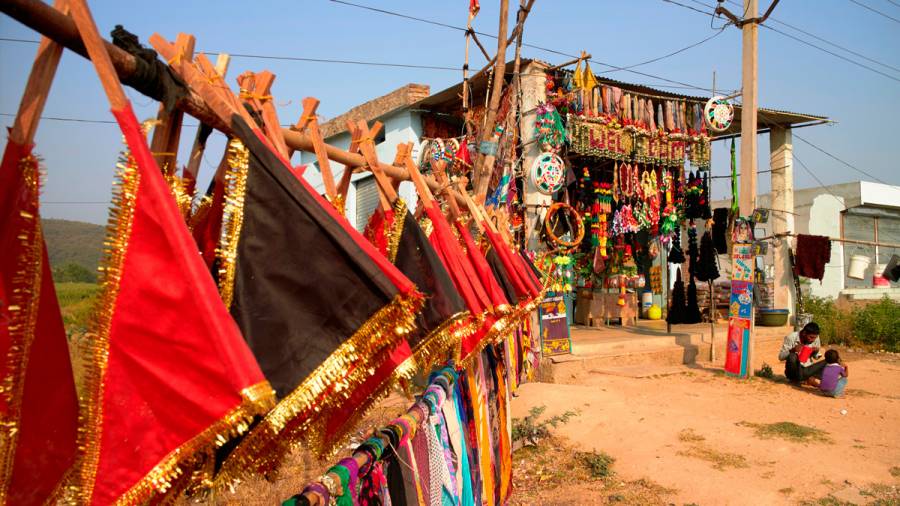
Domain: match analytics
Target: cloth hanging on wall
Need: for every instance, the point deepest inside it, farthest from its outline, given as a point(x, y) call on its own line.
point(813, 252)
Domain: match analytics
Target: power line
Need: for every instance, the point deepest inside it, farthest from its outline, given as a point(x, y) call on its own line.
point(895, 3)
point(864, 6)
point(75, 120)
point(810, 44)
point(821, 39)
point(821, 184)
point(842, 161)
point(347, 62)
point(299, 58)
point(713, 36)
point(532, 46)
point(705, 13)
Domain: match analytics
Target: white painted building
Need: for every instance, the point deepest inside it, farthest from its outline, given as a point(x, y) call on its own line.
point(861, 211)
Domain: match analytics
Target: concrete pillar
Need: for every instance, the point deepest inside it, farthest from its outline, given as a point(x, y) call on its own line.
point(534, 91)
point(781, 161)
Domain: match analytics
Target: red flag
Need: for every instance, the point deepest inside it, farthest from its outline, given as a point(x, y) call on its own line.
point(474, 7)
point(38, 404)
point(169, 376)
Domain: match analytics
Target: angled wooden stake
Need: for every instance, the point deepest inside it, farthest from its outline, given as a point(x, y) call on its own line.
point(441, 176)
point(255, 91)
point(96, 49)
point(309, 122)
point(263, 90)
point(196, 80)
point(367, 146)
point(470, 204)
point(164, 143)
point(215, 82)
point(344, 184)
point(37, 88)
point(192, 168)
point(418, 181)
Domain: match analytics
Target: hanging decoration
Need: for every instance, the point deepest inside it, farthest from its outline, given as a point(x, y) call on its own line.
point(548, 173)
point(718, 113)
point(549, 129)
point(572, 218)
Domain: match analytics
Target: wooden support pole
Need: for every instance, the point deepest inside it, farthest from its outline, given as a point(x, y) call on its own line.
point(37, 88)
point(166, 132)
point(485, 163)
point(192, 168)
point(310, 124)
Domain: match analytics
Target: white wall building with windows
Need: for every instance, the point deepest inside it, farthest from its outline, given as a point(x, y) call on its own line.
point(858, 211)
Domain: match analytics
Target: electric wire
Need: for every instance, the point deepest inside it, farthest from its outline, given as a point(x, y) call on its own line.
point(857, 169)
point(832, 53)
point(826, 41)
point(711, 37)
point(864, 6)
point(821, 184)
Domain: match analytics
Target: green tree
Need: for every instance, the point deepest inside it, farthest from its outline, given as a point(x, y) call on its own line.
point(73, 273)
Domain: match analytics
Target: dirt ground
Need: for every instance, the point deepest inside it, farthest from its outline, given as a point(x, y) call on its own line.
point(699, 437)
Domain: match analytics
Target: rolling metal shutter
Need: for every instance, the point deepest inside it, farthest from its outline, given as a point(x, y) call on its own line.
point(366, 201)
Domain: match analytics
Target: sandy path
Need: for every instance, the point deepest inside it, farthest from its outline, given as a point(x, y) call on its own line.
point(638, 422)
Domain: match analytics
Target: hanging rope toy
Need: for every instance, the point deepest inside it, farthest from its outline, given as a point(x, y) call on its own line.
point(548, 173)
point(576, 225)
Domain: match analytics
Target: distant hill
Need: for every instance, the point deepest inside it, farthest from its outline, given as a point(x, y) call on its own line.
point(73, 242)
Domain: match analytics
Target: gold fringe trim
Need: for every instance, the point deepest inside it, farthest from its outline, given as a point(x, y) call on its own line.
point(183, 199)
point(396, 232)
point(24, 300)
point(326, 388)
point(427, 226)
point(232, 217)
point(405, 372)
point(200, 212)
point(96, 349)
point(255, 400)
point(443, 341)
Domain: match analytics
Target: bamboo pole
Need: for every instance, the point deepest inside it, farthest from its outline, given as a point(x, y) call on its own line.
point(485, 162)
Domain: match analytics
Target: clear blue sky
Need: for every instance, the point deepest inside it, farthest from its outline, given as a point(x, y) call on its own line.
point(80, 156)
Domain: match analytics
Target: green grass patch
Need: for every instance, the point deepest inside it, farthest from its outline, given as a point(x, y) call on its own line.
point(599, 464)
point(76, 301)
point(789, 431)
point(689, 436)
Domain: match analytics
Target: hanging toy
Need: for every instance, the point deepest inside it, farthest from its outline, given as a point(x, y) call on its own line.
point(548, 173)
point(549, 129)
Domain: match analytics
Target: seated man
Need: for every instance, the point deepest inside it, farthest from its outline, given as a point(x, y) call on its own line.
point(798, 353)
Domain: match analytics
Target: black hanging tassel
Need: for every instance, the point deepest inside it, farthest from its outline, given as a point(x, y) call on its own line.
point(676, 255)
point(677, 307)
point(692, 309)
point(693, 252)
point(707, 268)
point(705, 209)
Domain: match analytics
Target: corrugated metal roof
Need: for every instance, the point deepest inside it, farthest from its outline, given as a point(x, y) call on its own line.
point(450, 99)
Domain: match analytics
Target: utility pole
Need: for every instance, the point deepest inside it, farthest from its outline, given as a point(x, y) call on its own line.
point(749, 85)
point(749, 24)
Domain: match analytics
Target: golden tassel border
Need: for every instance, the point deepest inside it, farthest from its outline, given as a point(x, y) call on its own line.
point(327, 387)
point(24, 300)
point(96, 348)
point(232, 217)
point(396, 232)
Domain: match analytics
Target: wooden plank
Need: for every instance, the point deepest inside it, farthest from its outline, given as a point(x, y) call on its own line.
point(309, 122)
point(164, 143)
point(418, 181)
point(367, 146)
point(192, 168)
point(439, 170)
point(37, 88)
point(96, 49)
point(264, 82)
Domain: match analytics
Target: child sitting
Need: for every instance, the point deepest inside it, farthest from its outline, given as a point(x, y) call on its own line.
point(834, 376)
